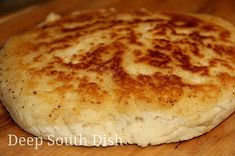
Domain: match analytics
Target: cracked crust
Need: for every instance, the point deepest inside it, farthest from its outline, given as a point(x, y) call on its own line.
point(149, 78)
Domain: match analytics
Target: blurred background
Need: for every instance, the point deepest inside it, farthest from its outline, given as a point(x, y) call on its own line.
point(220, 7)
point(17, 16)
point(8, 6)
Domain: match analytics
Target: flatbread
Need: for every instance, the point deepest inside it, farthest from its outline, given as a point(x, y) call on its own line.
point(148, 78)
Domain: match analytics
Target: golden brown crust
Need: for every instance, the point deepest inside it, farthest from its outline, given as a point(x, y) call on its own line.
point(125, 61)
point(173, 42)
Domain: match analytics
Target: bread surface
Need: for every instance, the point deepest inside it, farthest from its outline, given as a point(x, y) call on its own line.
point(149, 78)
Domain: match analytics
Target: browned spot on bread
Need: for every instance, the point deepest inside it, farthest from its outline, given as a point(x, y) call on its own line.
point(155, 58)
point(185, 63)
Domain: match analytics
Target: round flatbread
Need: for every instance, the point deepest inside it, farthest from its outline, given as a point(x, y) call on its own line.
point(147, 78)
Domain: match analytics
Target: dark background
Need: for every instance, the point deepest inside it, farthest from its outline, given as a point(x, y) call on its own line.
point(9, 6)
